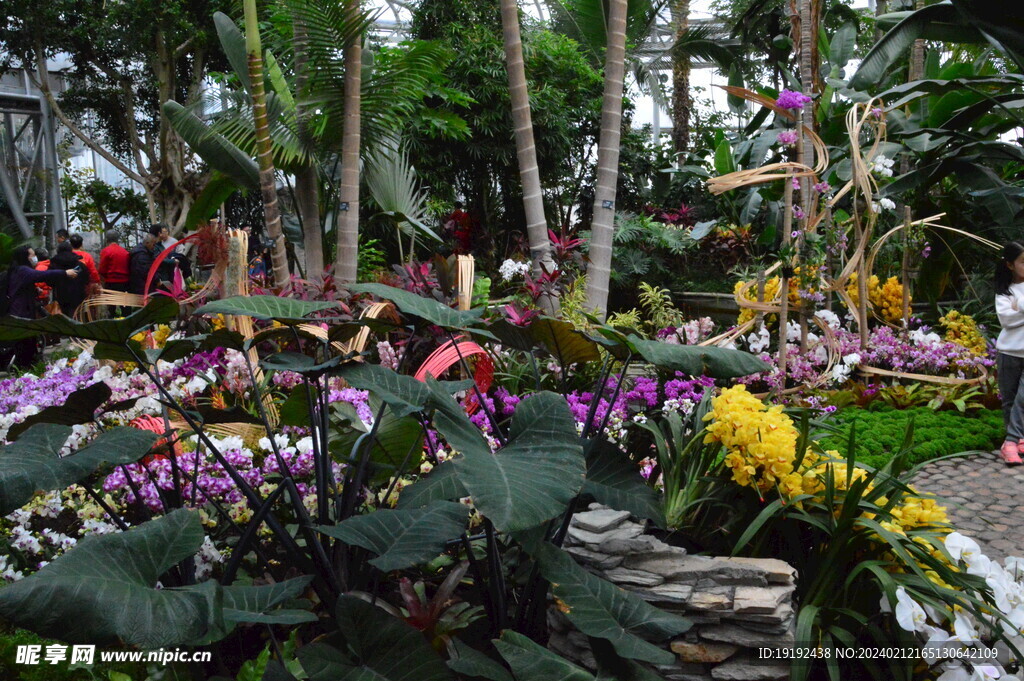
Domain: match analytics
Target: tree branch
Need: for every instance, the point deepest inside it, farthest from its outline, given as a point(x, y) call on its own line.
point(43, 83)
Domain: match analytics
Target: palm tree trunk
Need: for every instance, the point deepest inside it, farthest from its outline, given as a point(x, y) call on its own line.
point(681, 102)
point(347, 257)
point(307, 200)
point(264, 156)
point(307, 182)
point(603, 225)
point(526, 150)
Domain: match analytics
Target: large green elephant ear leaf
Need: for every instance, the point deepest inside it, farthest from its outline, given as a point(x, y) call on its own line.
point(103, 591)
point(403, 394)
point(159, 310)
point(530, 661)
point(602, 610)
point(615, 481)
point(698, 361)
point(534, 476)
point(403, 538)
point(377, 647)
point(33, 463)
point(267, 308)
point(442, 483)
point(565, 343)
point(426, 309)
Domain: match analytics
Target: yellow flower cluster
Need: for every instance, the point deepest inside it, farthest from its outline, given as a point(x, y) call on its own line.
point(963, 330)
point(874, 290)
point(761, 452)
point(887, 298)
point(153, 339)
point(771, 291)
point(890, 300)
point(760, 440)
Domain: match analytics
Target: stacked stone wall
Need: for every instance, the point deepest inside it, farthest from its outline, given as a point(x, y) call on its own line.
point(737, 605)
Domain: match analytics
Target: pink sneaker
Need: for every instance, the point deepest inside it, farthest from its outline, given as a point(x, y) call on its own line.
point(1020, 446)
point(1011, 457)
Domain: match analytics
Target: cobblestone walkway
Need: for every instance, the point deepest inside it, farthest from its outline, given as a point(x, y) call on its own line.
point(984, 497)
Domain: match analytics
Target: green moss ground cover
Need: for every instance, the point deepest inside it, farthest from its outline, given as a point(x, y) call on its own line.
point(880, 432)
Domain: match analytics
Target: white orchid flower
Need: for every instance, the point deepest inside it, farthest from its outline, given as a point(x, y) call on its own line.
point(955, 671)
point(960, 546)
point(909, 613)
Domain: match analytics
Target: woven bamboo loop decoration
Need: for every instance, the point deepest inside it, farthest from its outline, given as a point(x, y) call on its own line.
point(864, 121)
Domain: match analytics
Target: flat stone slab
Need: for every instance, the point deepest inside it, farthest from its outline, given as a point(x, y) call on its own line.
point(707, 653)
point(600, 521)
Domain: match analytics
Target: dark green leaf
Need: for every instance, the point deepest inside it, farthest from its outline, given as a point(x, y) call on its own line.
point(699, 361)
point(404, 394)
point(561, 339)
point(159, 310)
point(80, 407)
point(441, 483)
point(427, 309)
point(266, 308)
point(615, 481)
point(471, 662)
point(102, 591)
point(378, 646)
point(33, 462)
point(531, 662)
point(534, 476)
point(603, 610)
point(212, 147)
point(403, 538)
point(299, 363)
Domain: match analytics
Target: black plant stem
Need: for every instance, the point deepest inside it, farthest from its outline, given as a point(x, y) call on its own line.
point(305, 522)
point(248, 535)
point(497, 575)
point(319, 454)
point(175, 475)
point(615, 395)
point(479, 396)
point(121, 524)
point(136, 492)
point(247, 491)
point(398, 474)
point(487, 598)
point(598, 391)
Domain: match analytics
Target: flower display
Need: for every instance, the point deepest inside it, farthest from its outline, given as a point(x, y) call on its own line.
point(760, 441)
point(963, 330)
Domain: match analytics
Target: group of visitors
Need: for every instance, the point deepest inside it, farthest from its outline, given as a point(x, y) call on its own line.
point(37, 282)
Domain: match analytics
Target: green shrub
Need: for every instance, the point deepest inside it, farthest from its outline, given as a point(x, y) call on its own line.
point(880, 432)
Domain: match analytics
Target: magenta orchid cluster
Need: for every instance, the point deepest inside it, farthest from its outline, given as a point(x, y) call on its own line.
point(792, 100)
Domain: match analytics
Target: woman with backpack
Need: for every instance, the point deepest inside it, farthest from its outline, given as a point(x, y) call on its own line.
point(69, 293)
point(18, 296)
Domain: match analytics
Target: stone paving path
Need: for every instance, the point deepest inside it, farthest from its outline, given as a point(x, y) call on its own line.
point(984, 498)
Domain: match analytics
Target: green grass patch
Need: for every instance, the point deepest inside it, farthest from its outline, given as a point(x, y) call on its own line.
point(880, 432)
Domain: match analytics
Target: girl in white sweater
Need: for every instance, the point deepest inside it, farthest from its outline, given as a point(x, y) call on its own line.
point(1010, 347)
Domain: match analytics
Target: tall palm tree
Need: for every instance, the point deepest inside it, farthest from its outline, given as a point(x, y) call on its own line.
point(264, 154)
point(307, 182)
point(681, 102)
point(526, 150)
point(602, 227)
point(347, 259)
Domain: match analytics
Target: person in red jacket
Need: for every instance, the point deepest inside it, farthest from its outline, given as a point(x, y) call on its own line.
point(114, 263)
point(87, 260)
point(43, 264)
